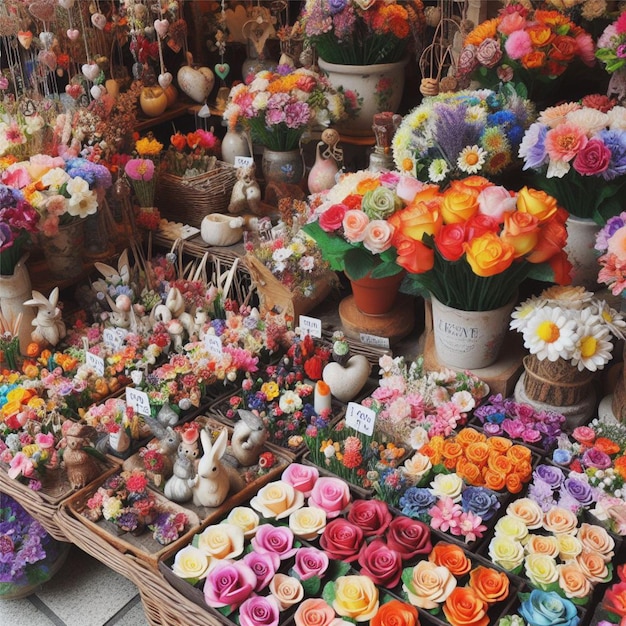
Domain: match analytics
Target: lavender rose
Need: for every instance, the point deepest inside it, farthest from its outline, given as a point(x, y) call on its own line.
point(580, 490)
point(480, 501)
point(550, 475)
point(596, 458)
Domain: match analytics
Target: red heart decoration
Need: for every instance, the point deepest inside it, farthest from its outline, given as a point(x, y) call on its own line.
point(74, 91)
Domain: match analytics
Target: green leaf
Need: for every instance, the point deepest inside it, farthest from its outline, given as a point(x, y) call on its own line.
point(407, 576)
point(358, 263)
point(328, 594)
point(95, 453)
point(312, 585)
point(226, 610)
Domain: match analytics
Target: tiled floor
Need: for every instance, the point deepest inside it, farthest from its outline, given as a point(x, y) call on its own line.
point(84, 592)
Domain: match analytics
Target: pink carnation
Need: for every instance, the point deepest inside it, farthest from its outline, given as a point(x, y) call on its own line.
point(565, 142)
point(510, 23)
point(518, 44)
point(586, 49)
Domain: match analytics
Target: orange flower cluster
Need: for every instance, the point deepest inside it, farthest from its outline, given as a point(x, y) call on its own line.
point(492, 462)
point(388, 19)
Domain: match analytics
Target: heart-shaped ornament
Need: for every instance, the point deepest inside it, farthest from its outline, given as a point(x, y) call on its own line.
point(196, 83)
point(48, 58)
point(96, 91)
point(99, 21)
point(165, 80)
point(222, 70)
point(46, 38)
point(235, 19)
point(345, 382)
point(66, 4)
point(258, 33)
point(72, 34)
point(74, 91)
point(161, 27)
point(25, 37)
point(90, 71)
point(149, 32)
point(43, 10)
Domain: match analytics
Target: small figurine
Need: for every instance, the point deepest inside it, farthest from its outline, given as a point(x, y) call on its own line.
point(81, 467)
point(49, 325)
point(328, 162)
point(246, 194)
point(249, 436)
point(179, 487)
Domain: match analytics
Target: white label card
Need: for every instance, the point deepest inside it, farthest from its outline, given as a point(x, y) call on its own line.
point(374, 340)
point(95, 362)
point(243, 161)
point(112, 339)
point(360, 418)
point(310, 326)
point(138, 401)
point(213, 344)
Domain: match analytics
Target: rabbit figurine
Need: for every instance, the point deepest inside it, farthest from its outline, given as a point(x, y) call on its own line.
point(248, 438)
point(49, 326)
point(214, 479)
point(179, 487)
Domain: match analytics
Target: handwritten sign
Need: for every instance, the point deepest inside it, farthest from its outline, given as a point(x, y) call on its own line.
point(95, 362)
point(243, 161)
point(138, 401)
point(310, 326)
point(112, 339)
point(374, 340)
point(213, 344)
point(360, 418)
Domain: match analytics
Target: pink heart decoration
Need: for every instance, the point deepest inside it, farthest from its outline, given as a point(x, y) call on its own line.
point(73, 34)
point(48, 58)
point(43, 10)
point(90, 71)
point(161, 27)
point(165, 80)
point(74, 91)
point(25, 37)
point(99, 21)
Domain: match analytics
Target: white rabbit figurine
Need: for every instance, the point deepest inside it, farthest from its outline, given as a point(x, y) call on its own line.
point(178, 487)
point(49, 326)
point(249, 435)
point(214, 479)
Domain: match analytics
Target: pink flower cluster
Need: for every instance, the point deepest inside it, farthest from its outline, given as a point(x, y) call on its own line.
point(449, 516)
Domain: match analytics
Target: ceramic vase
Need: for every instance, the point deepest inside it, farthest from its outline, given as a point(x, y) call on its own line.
point(376, 296)
point(283, 166)
point(15, 289)
point(234, 144)
point(581, 239)
point(64, 251)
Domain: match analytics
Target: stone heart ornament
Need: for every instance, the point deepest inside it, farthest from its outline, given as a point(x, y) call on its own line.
point(25, 37)
point(345, 382)
point(90, 71)
point(196, 83)
point(99, 21)
point(72, 34)
point(48, 58)
point(165, 80)
point(161, 27)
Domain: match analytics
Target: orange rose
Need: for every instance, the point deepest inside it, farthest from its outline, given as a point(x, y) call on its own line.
point(540, 35)
point(499, 444)
point(437, 443)
point(451, 556)
point(537, 203)
point(533, 60)
point(32, 350)
point(563, 48)
point(513, 482)
point(414, 256)
point(490, 585)
point(417, 219)
point(620, 466)
point(478, 453)
point(517, 453)
point(606, 445)
point(367, 184)
point(451, 449)
point(471, 184)
point(524, 469)
point(464, 607)
point(470, 435)
point(561, 268)
point(488, 255)
point(521, 231)
point(395, 613)
point(596, 538)
point(593, 565)
point(469, 471)
point(434, 455)
point(551, 240)
point(499, 463)
point(494, 480)
point(559, 520)
point(458, 206)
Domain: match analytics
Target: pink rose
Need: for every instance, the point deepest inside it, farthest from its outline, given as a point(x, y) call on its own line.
point(382, 564)
point(408, 537)
point(259, 611)
point(264, 565)
point(330, 220)
point(378, 234)
point(229, 583)
point(301, 477)
point(584, 435)
point(530, 435)
point(371, 516)
point(505, 73)
point(489, 52)
point(44, 441)
point(342, 540)
point(511, 22)
point(277, 539)
point(330, 494)
point(467, 60)
point(593, 159)
point(310, 562)
point(354, 224)
point(408, 188)
point(314, 612)
point(495, 201)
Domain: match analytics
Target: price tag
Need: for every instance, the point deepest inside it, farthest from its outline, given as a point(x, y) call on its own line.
point(138, 401)
point(95, 362)
point(360, 418)
point(186, 232)
point(310, 326)
point(112, 339)
point(374, 340)
point(213, 344)
point(243, 161)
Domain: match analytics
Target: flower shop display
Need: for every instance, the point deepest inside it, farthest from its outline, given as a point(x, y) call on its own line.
point(611, 259)
point(610, 51)
point(530, 49)
point(611, 607)
point(459, 134)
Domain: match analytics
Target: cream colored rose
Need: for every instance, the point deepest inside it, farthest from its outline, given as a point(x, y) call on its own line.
point(277, 500)
point(308, 522)
point(569, 546)
point(416, 467)
point(559, 520)
point(573, 581)
point(528, 511)
point(450, 485)
point(221, 541)
point(540, 544)
point(430, 585)
point(511, 527)
point(506, 552)
point(541, 570)
point(356, 597)
point(287, 590)
point(593, 565)
point(191, 563)
point(245, 518)
point(597, 538)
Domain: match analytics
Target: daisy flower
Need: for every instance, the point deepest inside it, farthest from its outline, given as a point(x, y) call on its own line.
point(612, 318)
point(592, 349)
point(524, 312)
point(471, 159)
point(438, 170)
point(550, 334)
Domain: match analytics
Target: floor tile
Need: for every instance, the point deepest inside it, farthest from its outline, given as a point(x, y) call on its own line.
point(85, 592)
point(22, 613)
point(135, 616)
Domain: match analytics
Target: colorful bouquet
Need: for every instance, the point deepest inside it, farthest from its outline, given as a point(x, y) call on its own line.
point(278, 107)
point(191, 154)
point(358, 32)
point(578, 151)
point(529, 49)
point(18, 221)
point(474, 243)
point(611, 46)
point(613, 604)
point(20, 135)
point(612, 260)
point(455, 135)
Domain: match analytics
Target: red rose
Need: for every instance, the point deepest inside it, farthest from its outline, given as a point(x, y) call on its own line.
point(381, 563)
point(413, 256)
point(342, 540)
point(331, 219)
point(450, 241)
point(593, 159)
point(371, 516)
point(479, 224)
point(313, 367)
point(409, 537)
point(353, 201)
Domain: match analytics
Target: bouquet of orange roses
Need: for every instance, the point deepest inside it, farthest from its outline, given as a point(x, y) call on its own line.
point(473, 243)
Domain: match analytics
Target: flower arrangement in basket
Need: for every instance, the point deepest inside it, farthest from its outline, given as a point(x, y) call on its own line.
point(455, 135)
point(576, 150)
point(192, 154)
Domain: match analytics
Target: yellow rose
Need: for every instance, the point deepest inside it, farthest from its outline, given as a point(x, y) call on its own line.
point(308, 522)
point(540, 544)
point(528, 511)
point(573, 580)
point(597, 538)
point(277, 499)
point(511, 527)
point(221, 541)
point(560, 520)
point(287, 590)
point(537, 203)
point(506, 552)
point(416, 467)
point(450, 485)
point(458, 206)
point(569, 546)
point(245, 518)
point(430, 585)
point(489, 255)
point(190, 563)
point(356, 597)
point(541, 570)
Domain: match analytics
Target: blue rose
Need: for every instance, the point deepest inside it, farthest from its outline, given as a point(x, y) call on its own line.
point(480, 501)
point(562, 457)
point(548, 608)
point(417, 501)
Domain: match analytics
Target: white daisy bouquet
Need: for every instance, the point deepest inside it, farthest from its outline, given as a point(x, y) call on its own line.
point(569, 324)
point(455, 135)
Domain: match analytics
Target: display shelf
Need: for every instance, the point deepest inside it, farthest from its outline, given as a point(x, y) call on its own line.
point(177, 110)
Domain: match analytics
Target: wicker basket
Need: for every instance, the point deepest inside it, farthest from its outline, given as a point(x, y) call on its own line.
point(188, 200)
